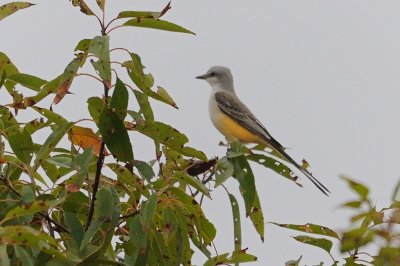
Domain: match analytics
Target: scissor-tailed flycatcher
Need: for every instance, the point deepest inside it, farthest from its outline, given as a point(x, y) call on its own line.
point(237, 123)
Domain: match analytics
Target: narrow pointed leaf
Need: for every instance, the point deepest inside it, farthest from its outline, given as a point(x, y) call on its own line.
point(85, 9)
point(66, 80)
point(28, 81)
point(310, 228)
point(10, 8)
point(156, 24)
point(50, 144)
point(323, 243)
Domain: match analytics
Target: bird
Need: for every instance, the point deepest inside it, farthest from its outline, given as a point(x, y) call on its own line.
point(237, 123)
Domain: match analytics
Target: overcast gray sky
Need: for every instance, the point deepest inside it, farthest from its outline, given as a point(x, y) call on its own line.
point(323, 76)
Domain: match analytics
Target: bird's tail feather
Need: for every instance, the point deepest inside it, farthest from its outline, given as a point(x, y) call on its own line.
point(315, 181)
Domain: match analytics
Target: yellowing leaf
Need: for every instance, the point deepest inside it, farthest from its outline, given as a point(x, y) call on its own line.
point(85, 138)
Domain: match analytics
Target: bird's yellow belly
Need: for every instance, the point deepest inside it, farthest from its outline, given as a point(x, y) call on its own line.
point(234, 131)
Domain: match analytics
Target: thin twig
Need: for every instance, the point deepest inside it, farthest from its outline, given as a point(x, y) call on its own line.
point(114, 28)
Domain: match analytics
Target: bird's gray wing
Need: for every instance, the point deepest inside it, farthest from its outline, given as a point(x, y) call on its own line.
point(235, 109)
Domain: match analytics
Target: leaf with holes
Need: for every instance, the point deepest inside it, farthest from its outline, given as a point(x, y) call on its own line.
point(85, 9)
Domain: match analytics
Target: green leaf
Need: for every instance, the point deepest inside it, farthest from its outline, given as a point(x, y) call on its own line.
point(241, 256)
point(31, 208)
point(115, 135)
point(95, 106)
point(47, 89)
point(168, 136)
point(7, 68)
point(323, 243)
point(81, 165)
point(74, 226)
point(50, 144)
point(156, 24)
point(66, 79)
point(145, 14)
point(28, 81)
point(245, 177)
point(356, 238)
point(145, 108)
point(104, 205)
point(294, 262)
point(138, 240)
point(225, 170)
point(21, 143)
point(119, 100)
point(311, 229)
point(257, 217)
point(237, 228)
point(274, 165)
point(145, 170)
point(194, 182)
point(60, 161)
point(99, 47)
point(23, 256)
point(10, 8)
point(360, 189)
point(148, 211)
point(90, 232)
point(50, 115)
point(4, 260)
point(217, 260)
point(164, 96)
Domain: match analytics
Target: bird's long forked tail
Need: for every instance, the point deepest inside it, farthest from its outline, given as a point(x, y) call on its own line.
point(315, 181)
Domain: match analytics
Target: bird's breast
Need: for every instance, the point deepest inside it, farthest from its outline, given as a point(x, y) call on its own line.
point(231, 129)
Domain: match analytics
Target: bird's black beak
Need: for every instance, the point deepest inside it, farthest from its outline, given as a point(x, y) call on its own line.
point(203, 76)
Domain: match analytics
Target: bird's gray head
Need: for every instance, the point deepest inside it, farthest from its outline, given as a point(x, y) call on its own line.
point(219, 77)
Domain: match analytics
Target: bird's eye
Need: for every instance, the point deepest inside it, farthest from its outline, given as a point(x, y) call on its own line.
point(212, 74)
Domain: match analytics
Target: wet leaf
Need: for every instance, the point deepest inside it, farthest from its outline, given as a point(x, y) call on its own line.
point(84, 137)
point(10, 8)
point(156, 24)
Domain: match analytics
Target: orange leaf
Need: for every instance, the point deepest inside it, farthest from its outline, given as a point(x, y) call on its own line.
point(85, 138)
point(61, 91)
point(2, 160)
